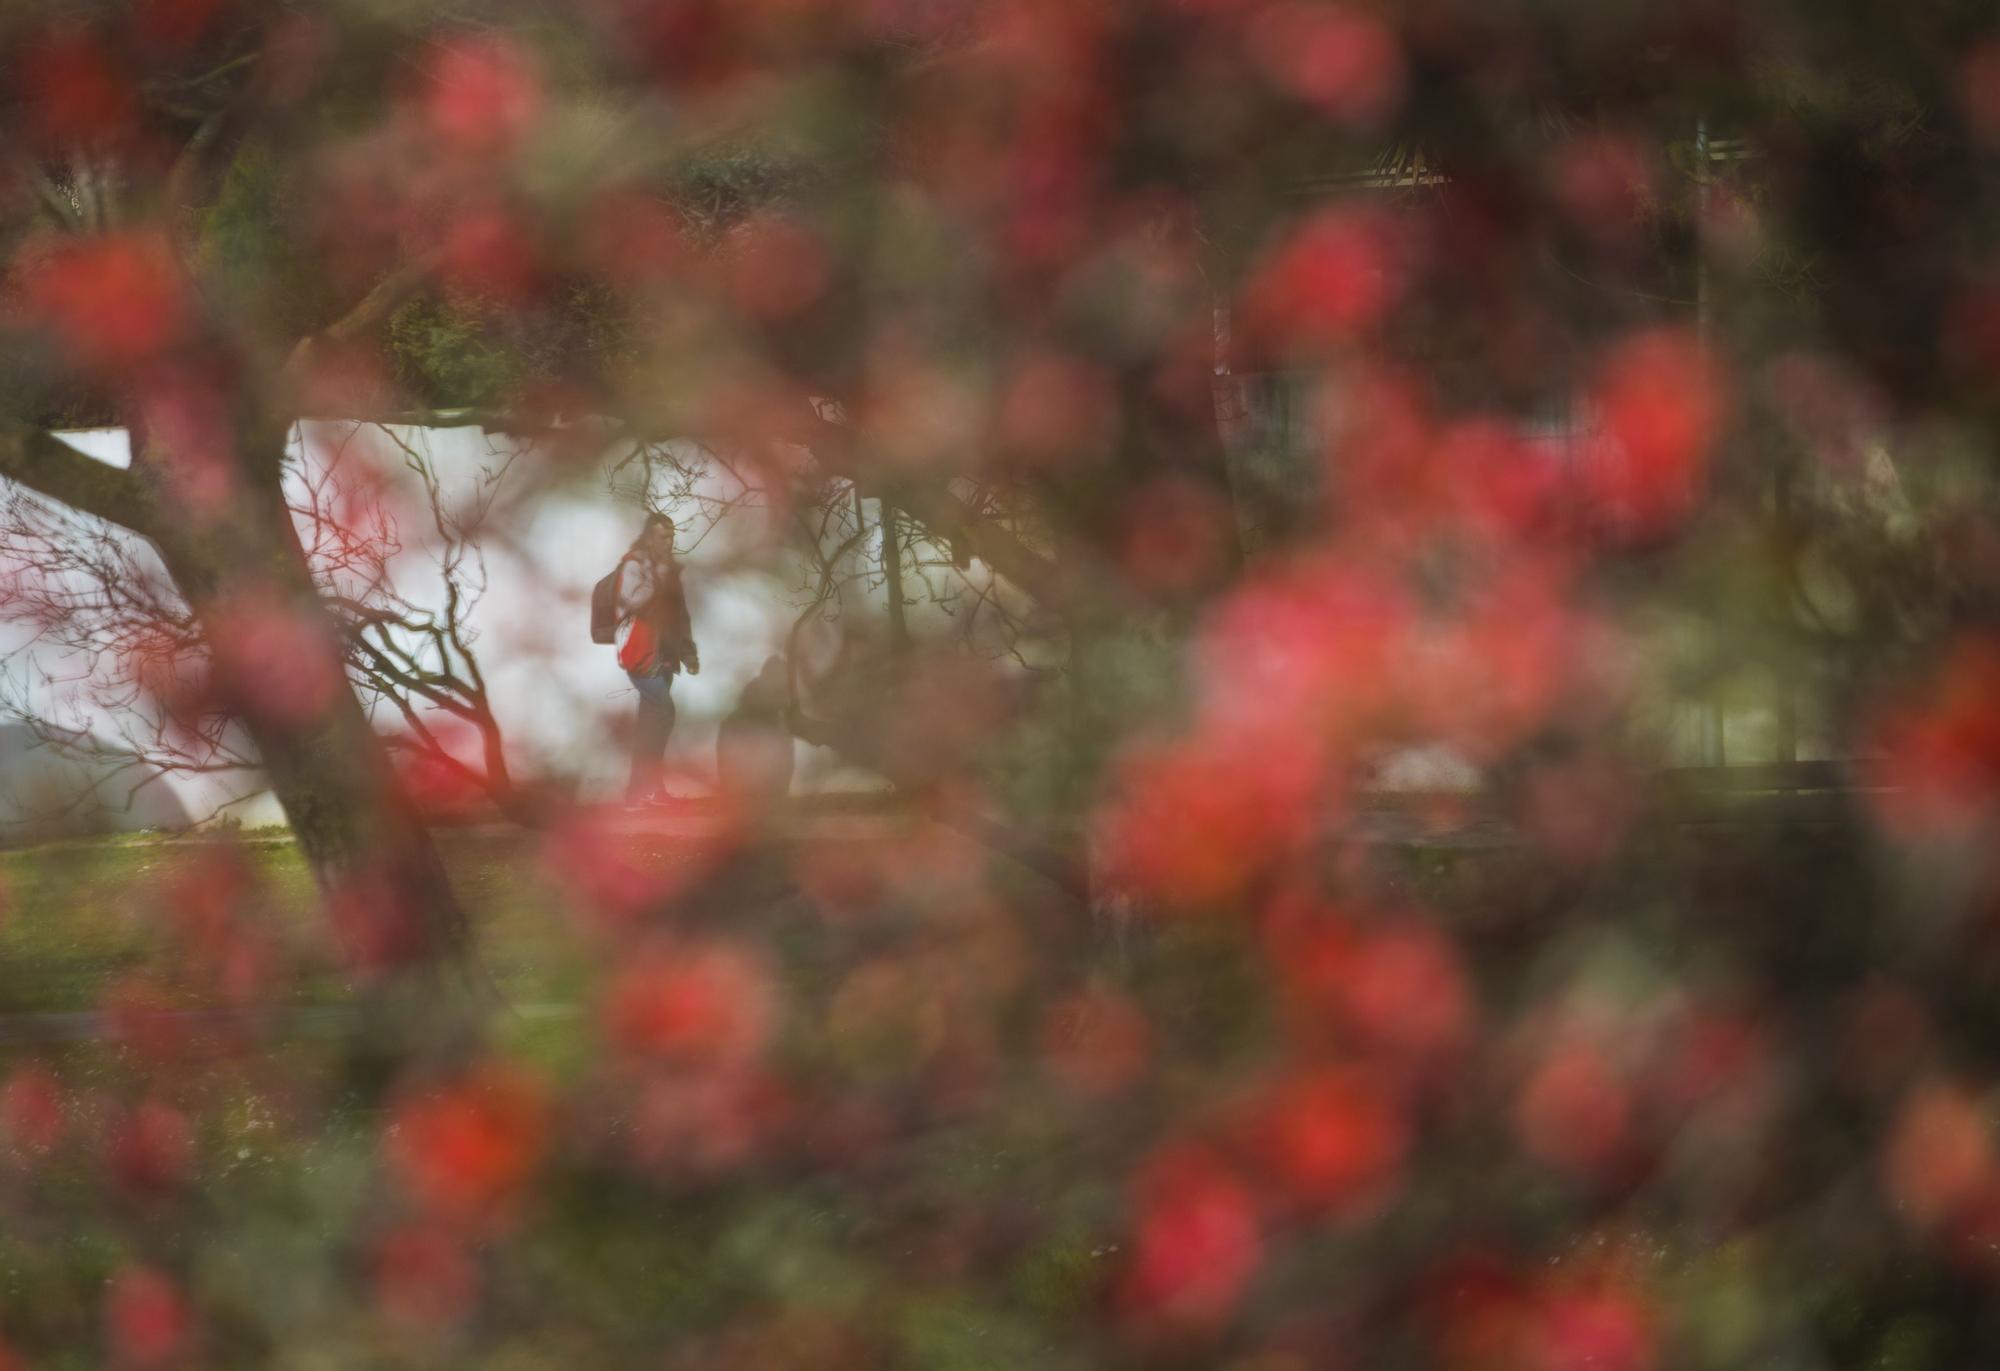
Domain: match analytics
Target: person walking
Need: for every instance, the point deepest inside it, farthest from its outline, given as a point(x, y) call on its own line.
point(655, 640)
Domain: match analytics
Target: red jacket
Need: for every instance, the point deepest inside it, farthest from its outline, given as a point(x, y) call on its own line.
point(655, 632)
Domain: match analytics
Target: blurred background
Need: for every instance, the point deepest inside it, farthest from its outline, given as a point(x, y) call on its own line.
point(1347, 700)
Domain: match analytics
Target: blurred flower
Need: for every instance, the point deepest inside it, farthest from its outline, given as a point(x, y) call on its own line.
point(1574, 1110)
point(1501, 485)
point(465, 1149)
point(887, 1017)
point(435, 775)
point(1940, 774)
point(32, 1112)
point(377, 926)
point(186, 412)
point(173, 24)
point(1660, 407)
point(76, 91)
point(1346, 62)
point(1476, 1310)
point(1579, 808)
point(1177, 536)
point(1326, 282)
point(773, 267)
point(1604, 182)
point(1592, 1329)
point(633, 239)
point(1979, 91)
point(483, 95)
point(487, 251)
point(700, 1005)
point(1331, 1140)
point(151, 1149)
point(1300, 656)
point(423, 1275)
point(1397, 987)
point(1940, 1155)
point(1197, 1244)
point(275, 661)
point(1056, 408)
point(113, 300)
point(1096, 1042)
point(147, 1319)
point(708, 1122)
point(1192, 822)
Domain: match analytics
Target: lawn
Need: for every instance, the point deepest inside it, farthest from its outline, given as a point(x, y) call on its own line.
point(929, 1200)
point(868, 1096)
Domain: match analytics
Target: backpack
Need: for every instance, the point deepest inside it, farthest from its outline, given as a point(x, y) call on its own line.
point(604, 606)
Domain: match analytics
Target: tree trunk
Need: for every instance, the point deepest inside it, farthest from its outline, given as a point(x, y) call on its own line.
point(277, 668)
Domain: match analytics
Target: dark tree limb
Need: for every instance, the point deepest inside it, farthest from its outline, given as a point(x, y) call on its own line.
point(46, 465)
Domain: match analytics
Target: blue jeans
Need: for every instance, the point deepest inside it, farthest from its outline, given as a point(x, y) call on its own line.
point(650, 730)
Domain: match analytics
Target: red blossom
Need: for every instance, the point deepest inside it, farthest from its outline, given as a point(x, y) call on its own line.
point(1346, 62)
point(151, 1150)
point(1503, 486)
point(1397, 988)
point(1096, 1042)
point(175, 24)
point(423, 1275)
point(1494, 674)
point(1940, 1156)
point(1379, 458)
point(147, 1319)
point(1888, 1031)
point(77, 92)
point(1979, 91)
point(32, 1110)
point(1296, 663)
point(488, 251)
point(708, 1122)
point(1193, 823)
point(700, 1005)
point(1177, 536)
point(1593, 1330)
point(1331, 1140)
point(594, 863)
point(1328, 282)
point(1716, 1057)
point(1580, 808)
point(773, 267)
point(1197, 1244)
point(1660, 406)
point(483, 97)
point(633, 239)
point(274, 661)
point(1604, 182)
point(113, 300)
point(378, 927)
point(1574, 1110)
point(1940, 774)
point(1055, 408)
point(1477, 1308)
point(436, 773)
point(466, 1149)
